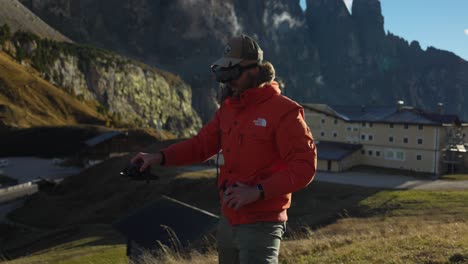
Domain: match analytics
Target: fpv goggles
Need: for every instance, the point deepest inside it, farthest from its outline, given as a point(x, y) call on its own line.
point(227, 74)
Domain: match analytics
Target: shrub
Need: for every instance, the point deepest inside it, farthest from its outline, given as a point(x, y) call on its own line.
point(5, 33)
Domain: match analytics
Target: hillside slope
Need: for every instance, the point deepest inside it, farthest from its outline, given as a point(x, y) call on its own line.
point(27, 100)
point(329, 223)
point(96, 195)
point(13, 13)
point(129, 92)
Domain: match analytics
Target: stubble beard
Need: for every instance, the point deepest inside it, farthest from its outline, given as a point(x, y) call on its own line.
point(241, 87)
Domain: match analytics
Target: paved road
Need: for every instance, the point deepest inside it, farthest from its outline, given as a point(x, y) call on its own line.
point(25, 169)
point(372, 180)
point(389, 181)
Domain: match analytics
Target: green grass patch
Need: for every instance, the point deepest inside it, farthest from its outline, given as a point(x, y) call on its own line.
point(455, 177)
point(409, 226)
point(85, 244)
point(75, 253)
point(382, 242)
point(416, 203)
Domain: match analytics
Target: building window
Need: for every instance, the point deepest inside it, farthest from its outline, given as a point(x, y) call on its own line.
point(371, 137)
point(363, 152)
point(370, 152)
point(363, 124)
point(335, 134)
point(390, 139)
point(420, 127)
point(355, 129)
point(420, 141)
point(395, 155)
point(322, 134)
point(377, 153)
point(335, 121)
point(418, 157)
point(349, 128)
point(391, 125)
point(370, 124)
point(323, 121)
point(400, 155)
point(405, 140)
point(389, 155)
point(363, 137)
point(406, 126)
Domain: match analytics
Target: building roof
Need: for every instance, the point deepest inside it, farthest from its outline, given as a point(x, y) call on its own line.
point(328, 150)
point(384, 114)
point(101, 138)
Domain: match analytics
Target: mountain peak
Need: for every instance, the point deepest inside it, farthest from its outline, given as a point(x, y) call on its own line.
point(368, 11)
point(333, 8)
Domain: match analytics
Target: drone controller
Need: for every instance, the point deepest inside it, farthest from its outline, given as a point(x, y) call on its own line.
point(133, 172)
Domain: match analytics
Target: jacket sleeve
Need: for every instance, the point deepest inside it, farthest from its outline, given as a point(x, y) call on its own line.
point(197, 149)
point(297, 149)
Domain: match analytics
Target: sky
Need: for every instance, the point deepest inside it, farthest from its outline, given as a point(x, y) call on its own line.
point(442, 24)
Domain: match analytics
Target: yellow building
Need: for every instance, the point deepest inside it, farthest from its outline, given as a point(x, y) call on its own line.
point(399, 137)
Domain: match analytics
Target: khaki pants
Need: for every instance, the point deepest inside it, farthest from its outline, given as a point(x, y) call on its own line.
point(249, 244)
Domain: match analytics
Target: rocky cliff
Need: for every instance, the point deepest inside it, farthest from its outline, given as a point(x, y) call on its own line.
point(27, 100)
point(131, 92)
point(322, 55)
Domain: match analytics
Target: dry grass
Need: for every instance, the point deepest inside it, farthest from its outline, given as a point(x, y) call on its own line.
point(27, 100)
point(169, 256)
point(404, 240)
point(375, 240)
point(378, 240)
point(334, 223)
point(415, 227)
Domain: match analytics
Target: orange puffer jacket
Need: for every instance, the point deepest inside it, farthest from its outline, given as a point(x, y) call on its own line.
point(265, 141)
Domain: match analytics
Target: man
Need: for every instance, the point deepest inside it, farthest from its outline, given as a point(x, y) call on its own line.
point(268, 152)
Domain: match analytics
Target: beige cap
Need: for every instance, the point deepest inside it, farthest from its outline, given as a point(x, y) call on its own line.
point(240, 50)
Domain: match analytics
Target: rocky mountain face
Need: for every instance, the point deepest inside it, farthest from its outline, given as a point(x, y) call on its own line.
point(324, 55)
point(27, 100)
point(131, 92)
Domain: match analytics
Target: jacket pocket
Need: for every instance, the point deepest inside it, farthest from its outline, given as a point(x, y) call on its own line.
point(258, 139)
point(259, 134)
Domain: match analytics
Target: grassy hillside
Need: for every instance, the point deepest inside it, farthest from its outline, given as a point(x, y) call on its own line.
point(329, 223)
point(26, 100)
point(21, 18)
point(66, 141)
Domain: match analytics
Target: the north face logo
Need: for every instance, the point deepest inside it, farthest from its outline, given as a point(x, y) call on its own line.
point(227, 49)
point(260, 122)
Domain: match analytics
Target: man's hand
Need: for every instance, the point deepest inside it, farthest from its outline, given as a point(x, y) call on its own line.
point(239, 194)
point(147, 159)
